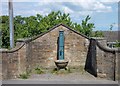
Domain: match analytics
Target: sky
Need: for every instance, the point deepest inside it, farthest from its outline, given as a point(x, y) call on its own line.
point(103, 13)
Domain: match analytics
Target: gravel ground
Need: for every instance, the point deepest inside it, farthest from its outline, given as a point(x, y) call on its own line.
point(62, 75)
point(61, 78)
point(71, 78)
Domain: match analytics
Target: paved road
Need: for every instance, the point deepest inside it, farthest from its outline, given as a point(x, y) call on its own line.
point(59, 82)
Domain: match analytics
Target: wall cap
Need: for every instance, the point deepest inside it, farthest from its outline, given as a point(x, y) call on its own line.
point(12, 50)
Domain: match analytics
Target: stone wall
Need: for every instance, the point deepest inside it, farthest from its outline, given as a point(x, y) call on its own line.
point(79, 51)
point(13, 62)
point(118, 66)
point(43, 50)
point(107, 60)
point(91, 61)
point(10, 65)
point(0, 66)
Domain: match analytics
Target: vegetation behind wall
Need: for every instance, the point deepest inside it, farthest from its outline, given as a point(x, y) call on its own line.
point(25, 27)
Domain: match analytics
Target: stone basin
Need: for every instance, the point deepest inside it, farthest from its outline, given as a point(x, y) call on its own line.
point(61, 64)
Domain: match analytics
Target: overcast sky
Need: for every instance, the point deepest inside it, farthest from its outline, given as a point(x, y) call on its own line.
point(103, 12)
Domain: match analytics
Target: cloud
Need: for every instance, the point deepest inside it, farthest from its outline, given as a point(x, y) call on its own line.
point(109, 1)
point(78, 9)
point(93, 5)
point(86, 5)
point(45, 1)
point(73, 7)
point(85, 13)
point(116, 25)
point(100, 7)
point(31, 12)
point(67, 10)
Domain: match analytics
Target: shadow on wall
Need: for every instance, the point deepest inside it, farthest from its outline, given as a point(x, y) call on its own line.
point(91, 63)
point(58, 48)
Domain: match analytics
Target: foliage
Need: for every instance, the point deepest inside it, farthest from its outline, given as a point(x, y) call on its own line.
point(97, 34)
point(111, 26)
point(38, 70)
point(87, 27)
point(4, 24)
point(24, 75)
point(54, 71)
point(33, 25)
point(117, 44)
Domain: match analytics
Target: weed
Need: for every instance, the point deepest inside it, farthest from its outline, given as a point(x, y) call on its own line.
point(24, 75)
point(69, 71)
point(54, 71)
point(38, 70)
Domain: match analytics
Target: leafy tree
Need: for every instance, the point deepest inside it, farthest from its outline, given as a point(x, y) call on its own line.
point(97, 34)
point(87, 27)
point(4, 31)
point(33, 25)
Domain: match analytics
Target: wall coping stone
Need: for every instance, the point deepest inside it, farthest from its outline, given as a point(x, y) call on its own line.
point(27, 40)
point(35, 37)
point(12, 50)
point(98, 38)
point(106, 48)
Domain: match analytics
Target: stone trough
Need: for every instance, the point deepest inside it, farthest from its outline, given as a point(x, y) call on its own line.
point(61, 64)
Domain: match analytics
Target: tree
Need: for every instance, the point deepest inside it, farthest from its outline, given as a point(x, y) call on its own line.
point(5, 31)
point(87, 27)
point(97, 34)
point(33, 25)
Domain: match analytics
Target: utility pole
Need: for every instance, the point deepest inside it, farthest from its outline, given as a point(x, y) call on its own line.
point(11, 26)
